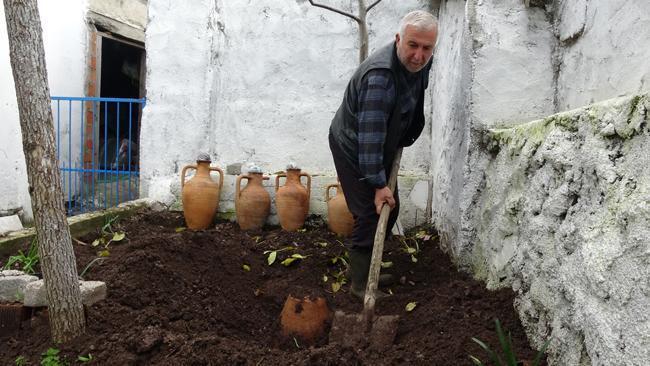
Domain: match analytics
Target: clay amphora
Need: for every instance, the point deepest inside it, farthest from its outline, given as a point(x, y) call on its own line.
point(200, 194)
point(339, 218)
point(292, 199)
point(306, 317)
point(253, 203)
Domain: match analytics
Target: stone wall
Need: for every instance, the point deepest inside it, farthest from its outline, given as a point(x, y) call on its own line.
point(564, 219)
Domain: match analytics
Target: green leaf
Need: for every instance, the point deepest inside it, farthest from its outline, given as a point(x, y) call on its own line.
point(506, 344)
point(325, 278)
point(410, 306)
point(413, 259)
point(85, 358)
point(96, 242)
point(246, 267)
point(336, 286)
point(540, 354)
point(298, 256)
point(272, 257)
point(386, 264)
point(476, 361)
point(322, 244)
point(490, 353)
point(118, 236)
point(104, 253)
point(180, 229)
point(411, 250)
point(288, 261)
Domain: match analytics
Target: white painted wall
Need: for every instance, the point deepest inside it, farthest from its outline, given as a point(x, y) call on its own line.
point(64, 37)
point(252, 81)
point(604, 50)
point(508, 215)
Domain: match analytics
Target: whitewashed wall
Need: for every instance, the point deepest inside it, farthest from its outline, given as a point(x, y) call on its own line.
point(558, 211)
point(253, 81)
point(604, 50)
point(64, 37)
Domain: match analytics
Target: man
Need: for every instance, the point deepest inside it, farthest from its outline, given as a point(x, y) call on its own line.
point(382, 110)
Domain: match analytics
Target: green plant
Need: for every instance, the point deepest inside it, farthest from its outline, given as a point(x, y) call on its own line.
point(51, 358)
point(507, 351)
point(90, 265)
point(272, 255)
point(412, 249)
point(108, 235)
point(20, 361)
point(84, 359)
point(26, 262)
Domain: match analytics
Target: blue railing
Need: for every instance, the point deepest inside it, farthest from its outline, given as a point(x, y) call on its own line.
point(97, 149)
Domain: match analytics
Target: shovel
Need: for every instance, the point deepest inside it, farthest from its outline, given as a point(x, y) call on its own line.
point(366, 329)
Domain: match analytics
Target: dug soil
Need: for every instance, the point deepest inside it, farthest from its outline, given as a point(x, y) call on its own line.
point(181, 297)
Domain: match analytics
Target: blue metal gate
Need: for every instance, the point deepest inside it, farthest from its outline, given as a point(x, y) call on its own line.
point(97, 149)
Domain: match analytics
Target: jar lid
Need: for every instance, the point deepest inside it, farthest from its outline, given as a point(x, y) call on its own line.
point(292, 166)
point(255, 169)
point(204, 157)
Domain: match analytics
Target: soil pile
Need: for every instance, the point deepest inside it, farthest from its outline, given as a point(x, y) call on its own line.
point(178, 297)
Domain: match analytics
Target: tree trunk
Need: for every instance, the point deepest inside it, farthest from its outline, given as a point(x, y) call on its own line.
point(363, 32)
point(54, 244)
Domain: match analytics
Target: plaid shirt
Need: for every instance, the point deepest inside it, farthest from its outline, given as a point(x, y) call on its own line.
point(376, 102)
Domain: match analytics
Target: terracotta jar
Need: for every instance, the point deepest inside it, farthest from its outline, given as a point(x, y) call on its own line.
point(200, 194)
point(253, 203)
point(339, 218)
point(292, 199)
point(306, 318)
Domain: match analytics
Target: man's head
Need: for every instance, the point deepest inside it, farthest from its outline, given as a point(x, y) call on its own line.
point(416, 39)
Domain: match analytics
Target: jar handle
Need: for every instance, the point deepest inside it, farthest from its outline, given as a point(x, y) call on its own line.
point(327, 191)
point(216, 169)
point(277, 180)
point(238, 187)
point(308, 183)
point(191, 166)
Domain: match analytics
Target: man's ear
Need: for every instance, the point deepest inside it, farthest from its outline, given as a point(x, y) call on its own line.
point(396, 37)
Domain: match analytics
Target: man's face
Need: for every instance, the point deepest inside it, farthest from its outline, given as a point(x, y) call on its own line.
point(415, 49)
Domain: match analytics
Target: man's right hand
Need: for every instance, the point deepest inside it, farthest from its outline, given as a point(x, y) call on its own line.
point(383, 195)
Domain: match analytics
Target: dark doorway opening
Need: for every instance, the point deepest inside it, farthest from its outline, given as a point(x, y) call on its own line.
point(122, 76)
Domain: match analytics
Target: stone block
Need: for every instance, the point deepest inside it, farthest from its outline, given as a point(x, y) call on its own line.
point(91, 292)
point(12, 285)
point(9, 224)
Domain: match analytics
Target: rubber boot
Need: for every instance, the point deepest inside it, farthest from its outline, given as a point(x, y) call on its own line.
point(359, 267)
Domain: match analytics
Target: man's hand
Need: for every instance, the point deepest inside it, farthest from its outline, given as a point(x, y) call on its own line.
point(383, 195)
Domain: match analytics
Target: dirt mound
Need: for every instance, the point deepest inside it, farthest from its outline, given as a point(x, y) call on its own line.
point(178, 297)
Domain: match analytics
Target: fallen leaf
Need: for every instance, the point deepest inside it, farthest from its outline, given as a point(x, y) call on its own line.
point(410, 306)
point(180, 229)
point(336, 286)
point(119, 236)
point(246, 267)
point(272, 257)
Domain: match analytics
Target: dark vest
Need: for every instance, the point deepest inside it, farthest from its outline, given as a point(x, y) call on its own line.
point(345, 126)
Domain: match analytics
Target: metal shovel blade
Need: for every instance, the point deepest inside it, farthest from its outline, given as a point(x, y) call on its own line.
point(348, 330)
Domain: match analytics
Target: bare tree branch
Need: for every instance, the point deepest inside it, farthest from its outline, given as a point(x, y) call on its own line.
point(373, 5)
point(357, 19)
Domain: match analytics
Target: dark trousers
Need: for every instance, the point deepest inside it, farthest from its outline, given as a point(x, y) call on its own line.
point(360, 197)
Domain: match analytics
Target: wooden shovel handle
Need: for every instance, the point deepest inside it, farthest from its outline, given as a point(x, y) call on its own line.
point(378, 246)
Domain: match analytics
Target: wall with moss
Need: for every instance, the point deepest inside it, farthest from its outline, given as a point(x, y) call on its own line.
point(564, 219)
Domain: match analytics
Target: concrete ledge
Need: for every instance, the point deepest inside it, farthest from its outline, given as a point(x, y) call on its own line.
point(9, 224)
point(79, 225)
point(91, 292)
point(12, 285)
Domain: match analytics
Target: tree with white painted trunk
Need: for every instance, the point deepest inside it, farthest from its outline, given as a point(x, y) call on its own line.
point(33, 95)
point(360, 19)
